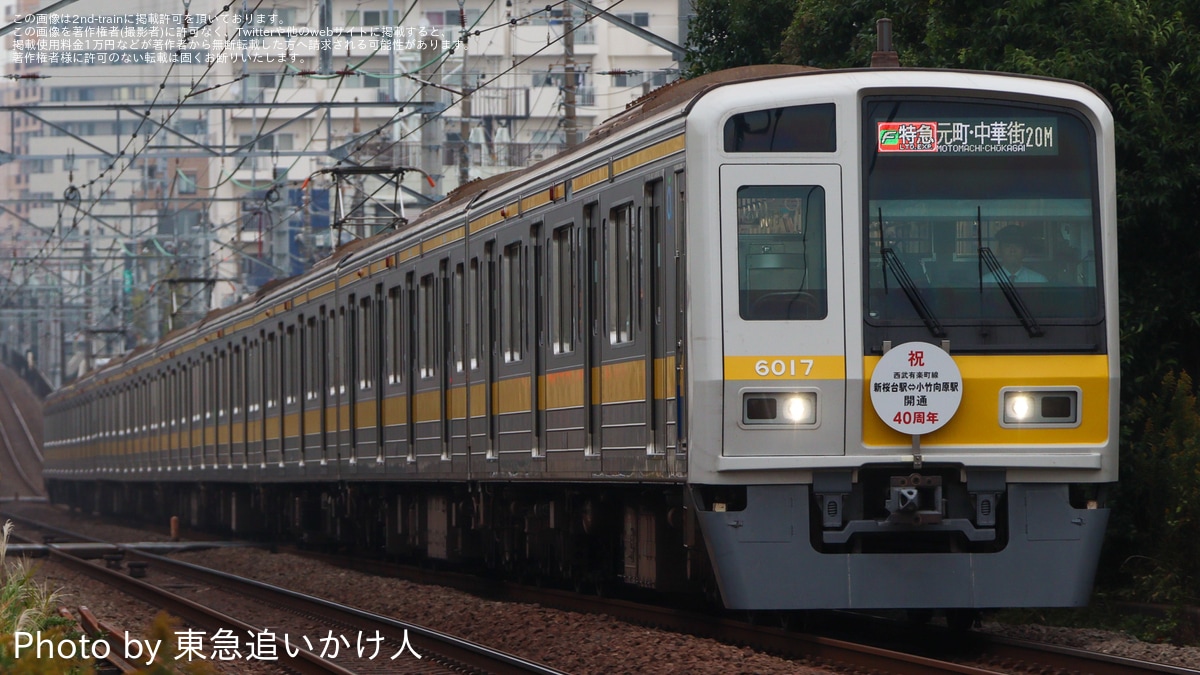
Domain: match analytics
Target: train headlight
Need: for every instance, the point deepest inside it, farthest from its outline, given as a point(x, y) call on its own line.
point(1018, 407)
point(800, 408)
point(1051, 406)
point(782, 408)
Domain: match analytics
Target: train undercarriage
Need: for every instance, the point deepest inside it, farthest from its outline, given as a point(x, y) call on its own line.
point(594, 538)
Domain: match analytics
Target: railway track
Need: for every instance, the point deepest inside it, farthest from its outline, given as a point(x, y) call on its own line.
point(892, 648)
point(307, 634)
point(888, 649)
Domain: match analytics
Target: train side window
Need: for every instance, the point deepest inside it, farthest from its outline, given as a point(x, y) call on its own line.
point(252, 376)
point(222, 383)
point(368, 333)
point(512, 305)
point(781, 252)
point(798, 128)
point(169, 400)
point(395, 333)
point(620, 254)
point(351, 344)
point(309, 355)
point(475, 305)
point(428, 312)
point(271, 370)
point(454, 339)
point(210, 386)
point(237, 367)
point(197, 389)
point(332, 343)
point(562, 289)
point(292, 365)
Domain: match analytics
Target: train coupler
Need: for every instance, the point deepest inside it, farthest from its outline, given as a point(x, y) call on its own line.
point(915, 500)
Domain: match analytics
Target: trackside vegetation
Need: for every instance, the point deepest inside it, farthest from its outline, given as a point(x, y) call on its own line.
point(27, 606)
point(31, 608)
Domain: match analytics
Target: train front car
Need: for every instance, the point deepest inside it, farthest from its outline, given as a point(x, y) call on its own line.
point(912, 337)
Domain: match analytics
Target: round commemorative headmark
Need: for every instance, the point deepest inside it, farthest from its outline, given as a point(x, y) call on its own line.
point(916, 388)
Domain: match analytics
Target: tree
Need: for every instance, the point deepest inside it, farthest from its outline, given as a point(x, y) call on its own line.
point(725, 34)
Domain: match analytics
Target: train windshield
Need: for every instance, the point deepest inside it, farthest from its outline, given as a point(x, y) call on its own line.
point(980, 217)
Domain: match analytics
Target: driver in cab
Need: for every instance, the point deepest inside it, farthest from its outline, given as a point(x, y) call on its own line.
point(1011, 244)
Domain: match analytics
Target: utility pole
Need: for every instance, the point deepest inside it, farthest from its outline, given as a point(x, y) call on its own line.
point(570, 123)
point(325, 43)
point(90, 301)
point(464, 126)
point(431, 129)
point(281, 227)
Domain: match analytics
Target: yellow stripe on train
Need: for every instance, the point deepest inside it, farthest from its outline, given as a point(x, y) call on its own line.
point(977, 422)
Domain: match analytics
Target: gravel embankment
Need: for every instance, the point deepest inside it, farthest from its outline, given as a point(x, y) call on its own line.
point(568, 641)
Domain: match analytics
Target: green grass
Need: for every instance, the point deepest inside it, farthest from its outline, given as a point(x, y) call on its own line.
point(27, 606)
point(1158, 623)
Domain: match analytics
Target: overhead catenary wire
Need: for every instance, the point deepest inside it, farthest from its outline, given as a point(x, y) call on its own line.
point(81, 213)
point(440, 60)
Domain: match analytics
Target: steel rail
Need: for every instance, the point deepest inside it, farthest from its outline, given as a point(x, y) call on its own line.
point(452, 648)
point(457, 651)
point(1072, 659)
point(305, 662)
point(1033, 655)
point(103, 631)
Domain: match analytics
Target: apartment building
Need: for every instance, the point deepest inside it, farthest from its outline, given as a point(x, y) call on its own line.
point(164, 164)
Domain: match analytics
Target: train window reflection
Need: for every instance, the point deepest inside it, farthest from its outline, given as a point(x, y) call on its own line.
point(971, 209)
point(562, 290)
point(512, 304)
point(622, 254)
point(1046, 248)
point(781, 252)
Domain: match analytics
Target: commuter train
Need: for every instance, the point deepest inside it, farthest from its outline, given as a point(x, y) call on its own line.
point(792, 337)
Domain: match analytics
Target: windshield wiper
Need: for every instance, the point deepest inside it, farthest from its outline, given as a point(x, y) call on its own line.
point(910, 290)
point(1010, 292)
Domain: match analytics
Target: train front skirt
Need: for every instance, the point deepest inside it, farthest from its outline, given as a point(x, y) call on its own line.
point(1049, 560)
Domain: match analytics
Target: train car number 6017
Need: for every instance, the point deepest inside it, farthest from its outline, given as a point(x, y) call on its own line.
point(781, 367)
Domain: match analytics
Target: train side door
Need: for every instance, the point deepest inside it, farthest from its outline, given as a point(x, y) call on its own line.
point(783, 310)
point(590, 280)
point(656, 267)
point(623, 409)
point(537, 379)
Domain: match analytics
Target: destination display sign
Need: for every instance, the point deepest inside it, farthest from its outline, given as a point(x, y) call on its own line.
point(1029, 136)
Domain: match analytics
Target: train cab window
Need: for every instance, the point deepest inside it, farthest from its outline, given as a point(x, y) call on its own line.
point(961, 195)
point(781, 252)
point(797, 128)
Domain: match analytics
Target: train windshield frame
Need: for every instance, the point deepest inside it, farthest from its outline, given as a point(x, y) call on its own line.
point(981, 224)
